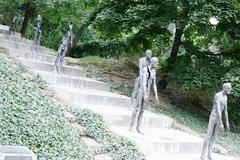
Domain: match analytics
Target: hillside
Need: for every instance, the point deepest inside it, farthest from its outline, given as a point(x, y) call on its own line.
point(31, 118)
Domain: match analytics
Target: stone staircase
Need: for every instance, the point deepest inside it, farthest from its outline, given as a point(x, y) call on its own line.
point(160, 141)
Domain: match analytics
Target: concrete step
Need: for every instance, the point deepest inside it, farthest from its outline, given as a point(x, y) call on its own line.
point(92, 144)
point(187, 157)
point(103, 157)
point(49, 58)
point(23, 46)
point(71, 81)
point(120, 116)
point(157, 141)
point(9, 33)
point(95, 97)
point(16, 153)
point(49, 67)
point(17, 37)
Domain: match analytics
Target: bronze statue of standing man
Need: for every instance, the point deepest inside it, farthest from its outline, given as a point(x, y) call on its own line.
point(215, 121)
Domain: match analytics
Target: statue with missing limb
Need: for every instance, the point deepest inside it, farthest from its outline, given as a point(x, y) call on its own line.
point(215, 120)
point(143, 62)
point(147, 79)
point(62, 50)
point(14, 24)
point(37, 38)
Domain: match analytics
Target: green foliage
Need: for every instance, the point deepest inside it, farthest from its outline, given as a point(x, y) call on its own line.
point(31, 118)
point(119, 147)
point(233, 76)
point(100, 48)
point(41, 83)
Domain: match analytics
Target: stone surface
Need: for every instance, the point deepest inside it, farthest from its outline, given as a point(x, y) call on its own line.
point(16, 153)
point(163, 140)
point(102, 157)
point(120, 116)
point(4, 27)
point(42, 57)
point(48, 67)
point(22, 46)
point(96, 97)
point(71, 81)
point(91, 143)
point(187, 157)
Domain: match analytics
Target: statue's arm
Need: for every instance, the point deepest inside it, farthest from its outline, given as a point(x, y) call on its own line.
point(71, 38)
point(155, 88)
point(140, 67)
point(144, 82)
point(226, 117)
point(217, 103)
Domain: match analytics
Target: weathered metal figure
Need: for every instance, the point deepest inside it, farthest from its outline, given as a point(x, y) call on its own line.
point(15, 23)
point(37, 38)
point(147, 80)
point(143, 62)
point(215, 120)
point(62, 50)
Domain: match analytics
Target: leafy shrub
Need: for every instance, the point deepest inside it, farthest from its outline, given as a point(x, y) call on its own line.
point(101, 48)
point(30, 118)
point(119, 147)
point(233, 76)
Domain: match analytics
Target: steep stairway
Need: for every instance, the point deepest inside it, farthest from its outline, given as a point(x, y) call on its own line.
point(159, 142)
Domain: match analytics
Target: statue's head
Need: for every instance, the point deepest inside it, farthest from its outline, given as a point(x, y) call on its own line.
point(39, 18)
point(154, 62)
point(148, 53)
point(70, 25)
point(227, 87)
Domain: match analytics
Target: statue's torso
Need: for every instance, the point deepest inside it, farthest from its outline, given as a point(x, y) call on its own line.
point(223, 102)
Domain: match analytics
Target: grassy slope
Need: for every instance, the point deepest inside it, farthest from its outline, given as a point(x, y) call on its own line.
point(32, 119)
point(194, 121)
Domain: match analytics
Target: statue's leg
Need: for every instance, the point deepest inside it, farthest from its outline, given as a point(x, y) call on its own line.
point(136, 110)
point(207, 140)
point(62, 59)
point(134, 93)
point(37, 47)
point(14, 29)
point(141, 103)
point(215, 131)
point(34, 48)
point(56, 63)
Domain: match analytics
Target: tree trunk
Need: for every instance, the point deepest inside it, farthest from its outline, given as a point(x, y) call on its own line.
point(176, 44)
point(29, 12)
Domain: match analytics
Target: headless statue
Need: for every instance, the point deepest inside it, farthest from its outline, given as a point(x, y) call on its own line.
point(215, 120)
point(62, 50)
point(14, 24)
point(143, 62)
point(37, 38)
point(147, 80)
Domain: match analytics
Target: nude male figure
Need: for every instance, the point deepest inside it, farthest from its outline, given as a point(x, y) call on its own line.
point(37, 37)
point(143, 92)
point(14, 24)
point(63, 47)
point(215, 120)
point(143, 62)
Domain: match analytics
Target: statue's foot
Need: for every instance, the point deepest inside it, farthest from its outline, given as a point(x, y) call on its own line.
point(55, 71)
point(210, 158)
point(133, 130)
point(204, 158)
point(140, 132)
